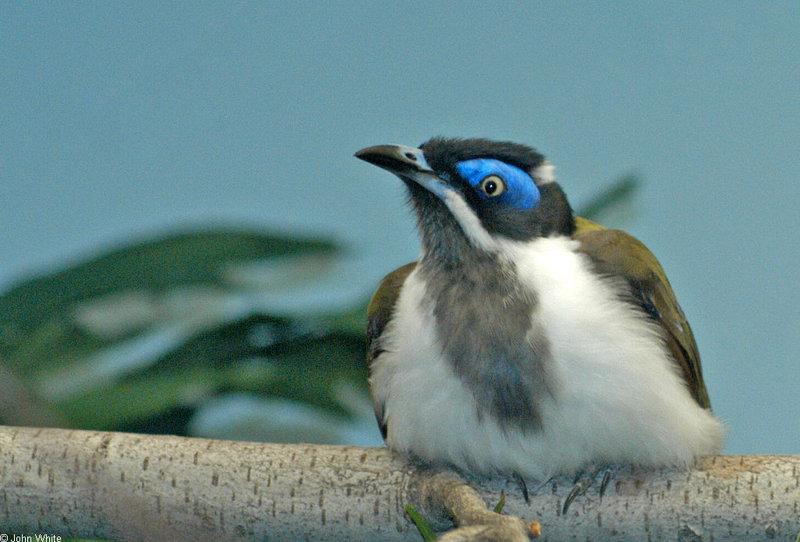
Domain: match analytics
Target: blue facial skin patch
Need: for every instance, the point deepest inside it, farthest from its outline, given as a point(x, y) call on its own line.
point(521, 192)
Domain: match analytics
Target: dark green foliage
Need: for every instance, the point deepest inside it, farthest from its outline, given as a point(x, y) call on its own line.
point(186, 258)
point(142, 336)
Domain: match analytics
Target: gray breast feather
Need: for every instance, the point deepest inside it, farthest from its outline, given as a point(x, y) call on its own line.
point(483, 316)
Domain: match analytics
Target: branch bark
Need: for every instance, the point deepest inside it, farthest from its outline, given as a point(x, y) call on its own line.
point(122, 486)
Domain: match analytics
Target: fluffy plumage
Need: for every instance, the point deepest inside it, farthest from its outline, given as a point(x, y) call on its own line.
point(526, 340)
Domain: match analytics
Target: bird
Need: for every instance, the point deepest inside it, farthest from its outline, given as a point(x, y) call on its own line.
point(527, 341)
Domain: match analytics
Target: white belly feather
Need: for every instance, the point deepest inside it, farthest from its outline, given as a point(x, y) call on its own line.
point(616, 397)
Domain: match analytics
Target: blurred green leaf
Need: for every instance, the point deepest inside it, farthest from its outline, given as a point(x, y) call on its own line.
point(302, 368)
point(350, 321)
point(614, 204)
point(181, 259)
point(498, 508)
point(165, 325)
point(425, 530)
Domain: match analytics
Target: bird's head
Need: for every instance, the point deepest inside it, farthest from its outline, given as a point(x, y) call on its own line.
point(477, 192)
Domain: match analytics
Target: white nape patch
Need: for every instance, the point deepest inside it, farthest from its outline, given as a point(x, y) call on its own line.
point(546, 173)
point(616, 397)
point(469, 221)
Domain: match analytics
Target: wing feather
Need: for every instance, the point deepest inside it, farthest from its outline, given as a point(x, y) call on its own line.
point(379, 312)
point(616, 254)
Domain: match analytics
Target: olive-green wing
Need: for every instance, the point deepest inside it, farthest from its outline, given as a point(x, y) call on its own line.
point(616, 254)
point(379, 312)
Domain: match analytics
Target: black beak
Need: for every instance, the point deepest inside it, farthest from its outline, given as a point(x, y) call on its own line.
point(404, 161)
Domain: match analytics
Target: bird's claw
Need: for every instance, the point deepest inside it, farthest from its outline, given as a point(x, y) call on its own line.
point(523, 486)
point(608, 474)
point(584, 481)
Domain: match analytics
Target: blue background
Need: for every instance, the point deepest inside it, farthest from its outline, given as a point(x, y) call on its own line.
point(119, 120)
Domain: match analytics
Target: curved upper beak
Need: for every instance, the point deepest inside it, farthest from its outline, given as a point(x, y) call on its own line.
point(408, 163)
point(399, 159)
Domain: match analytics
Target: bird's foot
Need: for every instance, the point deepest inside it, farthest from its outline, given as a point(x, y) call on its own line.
point(584, 480)
point(448, 495)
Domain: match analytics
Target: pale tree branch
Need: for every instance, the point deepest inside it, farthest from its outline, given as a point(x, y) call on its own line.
point(143, 487)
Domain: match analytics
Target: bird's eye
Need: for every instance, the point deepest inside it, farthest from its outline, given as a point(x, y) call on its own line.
point(503, 183)
point(493, 186)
